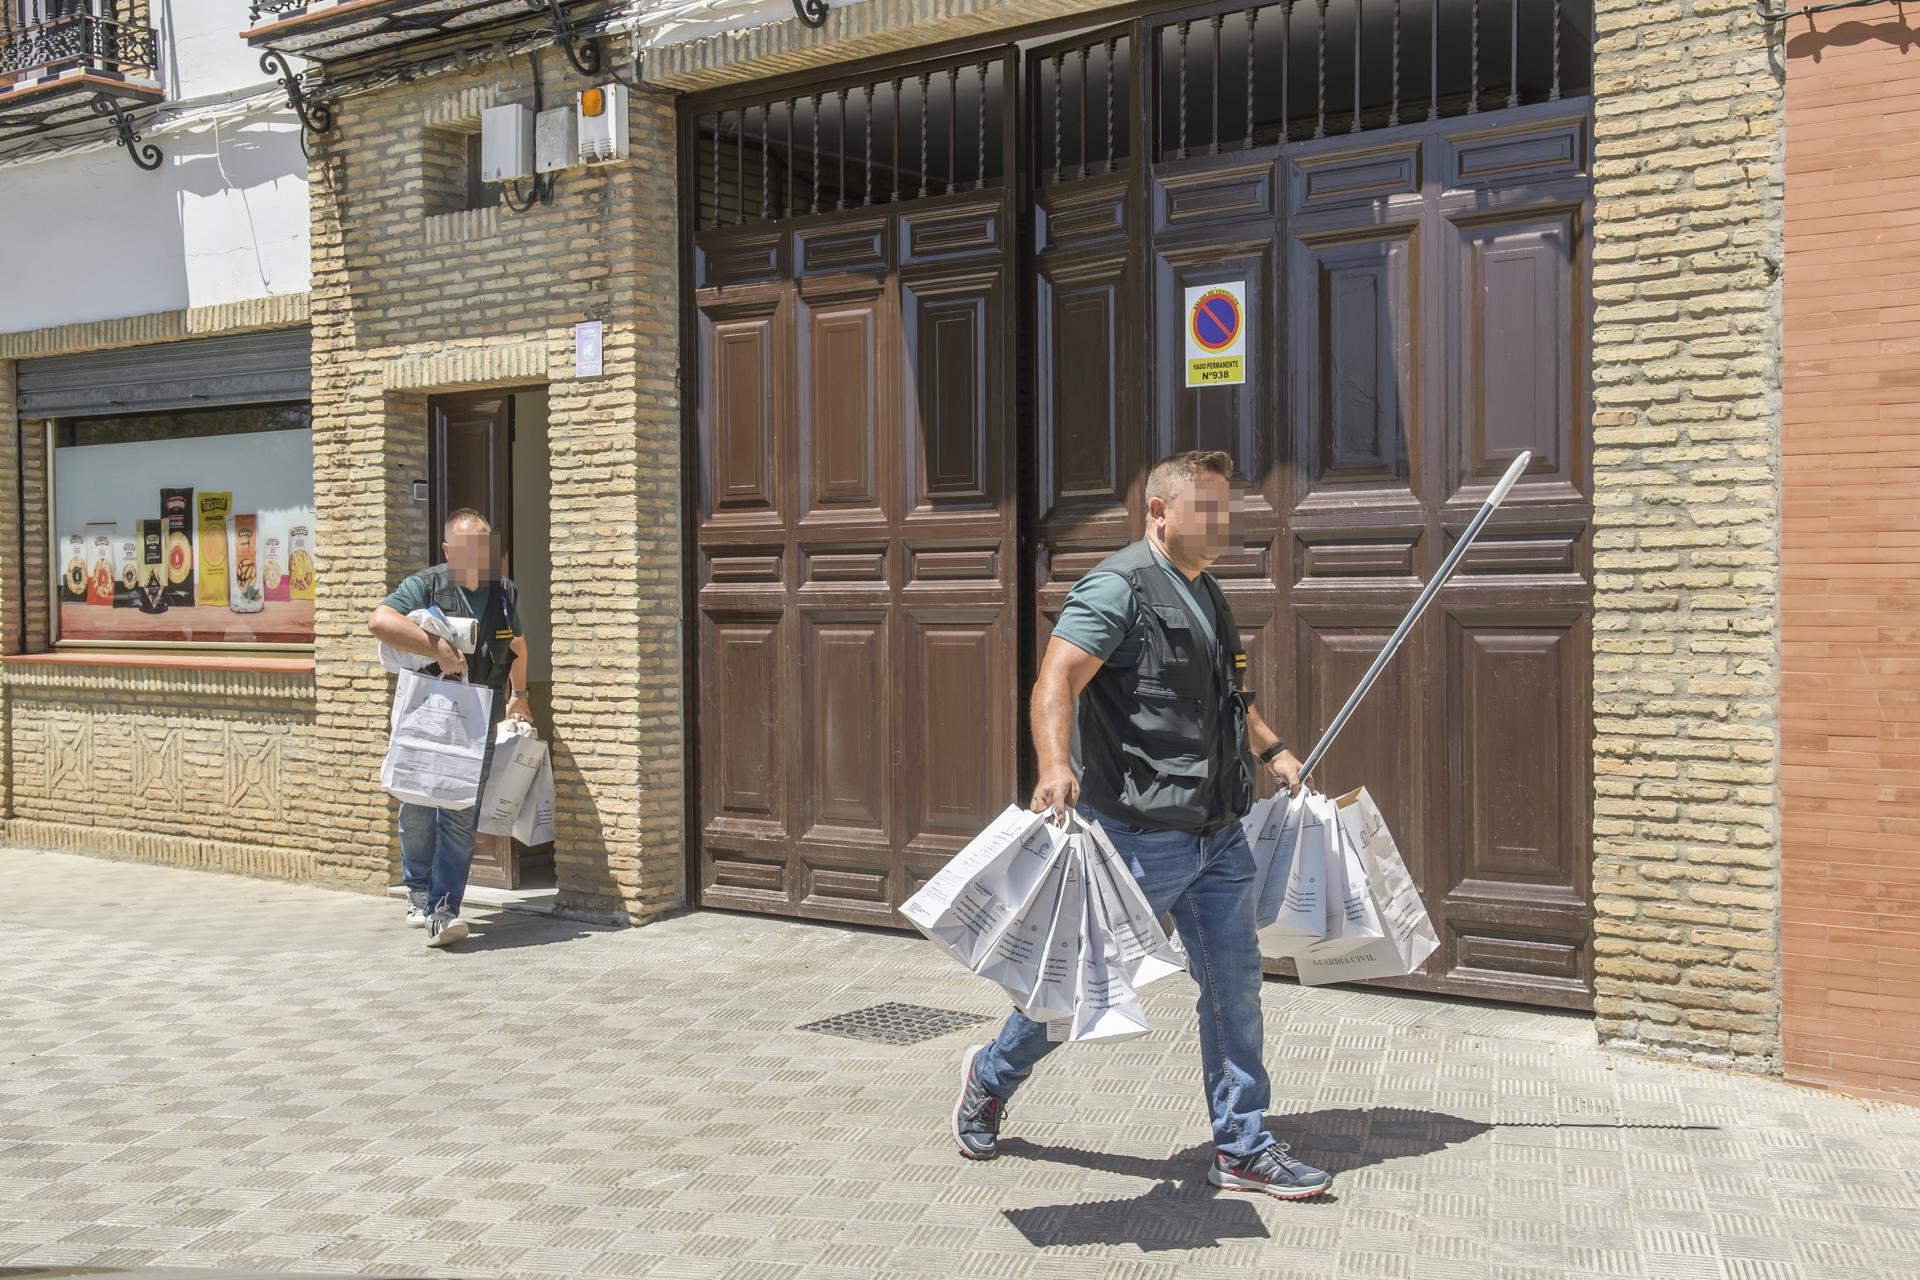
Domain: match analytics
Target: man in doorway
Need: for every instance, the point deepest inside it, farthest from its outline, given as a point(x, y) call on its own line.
point(1140, 721)
point(436, 845)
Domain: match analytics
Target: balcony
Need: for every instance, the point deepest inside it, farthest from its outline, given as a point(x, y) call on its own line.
point(58, 57)
point(327, 31)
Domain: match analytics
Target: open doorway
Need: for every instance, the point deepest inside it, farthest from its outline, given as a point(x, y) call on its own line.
point(488, 450)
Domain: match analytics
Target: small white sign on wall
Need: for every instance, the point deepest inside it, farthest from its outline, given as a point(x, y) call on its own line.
point(587, 336)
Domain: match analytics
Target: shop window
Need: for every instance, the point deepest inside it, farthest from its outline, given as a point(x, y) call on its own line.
point(189, 528)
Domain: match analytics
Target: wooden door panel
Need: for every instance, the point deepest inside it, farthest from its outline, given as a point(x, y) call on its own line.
point(744, 828)
point(1082, 438)
point(1515, 349)
point(954, 669)
point(845, 661)
point(1380, 749)
point(956, 429)
point(841, 429)
point(1355, 352)
point(1513, 907)
point(742, 400)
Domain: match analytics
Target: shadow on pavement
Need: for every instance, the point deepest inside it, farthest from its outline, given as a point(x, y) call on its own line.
point(1185, 1211)
point(513, 930)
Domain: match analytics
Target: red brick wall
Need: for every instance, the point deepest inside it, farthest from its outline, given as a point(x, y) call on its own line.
point(1850, 554)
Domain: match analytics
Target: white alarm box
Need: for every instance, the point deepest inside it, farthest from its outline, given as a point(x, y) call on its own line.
point(556, 140)
point(506, 144)
point(603, 123)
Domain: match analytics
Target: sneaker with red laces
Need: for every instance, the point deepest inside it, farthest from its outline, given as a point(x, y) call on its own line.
point(977, 1115)
point(1272, 1172)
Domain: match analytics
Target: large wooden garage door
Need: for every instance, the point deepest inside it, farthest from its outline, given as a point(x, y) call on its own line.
point(855, 518)
point(1417, 300)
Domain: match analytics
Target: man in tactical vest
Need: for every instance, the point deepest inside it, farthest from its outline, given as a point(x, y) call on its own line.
point(1141, 720)
point(436, 845)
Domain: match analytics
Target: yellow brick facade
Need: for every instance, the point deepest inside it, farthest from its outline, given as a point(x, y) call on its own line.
point(1688, 165)
point(410, 299)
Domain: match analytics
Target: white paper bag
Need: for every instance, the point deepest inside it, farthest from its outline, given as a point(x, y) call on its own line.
point(533, 825)
point(437, 742)
point(1053, 995)
point(518, 754)
point(1105, 1004)
point(1015, 957)
point(1352, 919)
point(1303, 916)
point(1143, 949)
point(1273, 832)
point(970, 901)
point(1409, 934)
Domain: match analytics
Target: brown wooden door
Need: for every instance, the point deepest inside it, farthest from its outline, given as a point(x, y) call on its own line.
point(857, 552)
point(470, 462)
point(1437, 301)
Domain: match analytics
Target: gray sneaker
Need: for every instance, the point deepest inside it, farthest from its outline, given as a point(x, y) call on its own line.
point(416, 911)
point(977, 1116)
point(444, 928)
point(1272, 1172)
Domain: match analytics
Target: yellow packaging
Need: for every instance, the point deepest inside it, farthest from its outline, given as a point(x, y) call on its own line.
point(300, 568)
point(214, 508)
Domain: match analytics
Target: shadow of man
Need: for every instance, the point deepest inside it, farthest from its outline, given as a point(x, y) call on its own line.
point(1186, 1212)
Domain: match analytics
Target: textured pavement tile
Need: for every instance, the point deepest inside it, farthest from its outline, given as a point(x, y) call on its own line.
point(275, 1078)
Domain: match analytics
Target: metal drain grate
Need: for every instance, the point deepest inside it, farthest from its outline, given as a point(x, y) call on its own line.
point(896, 1024)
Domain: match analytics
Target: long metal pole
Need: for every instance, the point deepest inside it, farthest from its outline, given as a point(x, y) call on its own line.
point(1400, 634)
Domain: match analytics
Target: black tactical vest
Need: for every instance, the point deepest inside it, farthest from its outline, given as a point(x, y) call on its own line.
point(491, 662)
point(1163, 745)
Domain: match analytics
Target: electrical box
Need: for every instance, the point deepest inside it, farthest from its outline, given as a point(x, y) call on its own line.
point(603, 123)
point(556, 140)
point(506, 144)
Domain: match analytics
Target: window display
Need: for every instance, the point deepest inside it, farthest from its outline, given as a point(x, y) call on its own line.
point(189, 528)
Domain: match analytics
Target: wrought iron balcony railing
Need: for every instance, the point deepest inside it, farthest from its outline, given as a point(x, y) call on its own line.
point(55, 35)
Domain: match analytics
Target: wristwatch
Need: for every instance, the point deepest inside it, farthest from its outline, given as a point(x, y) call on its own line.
point(1268, 756)
point(516, 695)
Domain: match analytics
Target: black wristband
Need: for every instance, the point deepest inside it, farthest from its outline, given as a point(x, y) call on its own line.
point(1267, 756)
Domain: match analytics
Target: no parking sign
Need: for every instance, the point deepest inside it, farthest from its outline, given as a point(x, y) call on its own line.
point(1217, 334)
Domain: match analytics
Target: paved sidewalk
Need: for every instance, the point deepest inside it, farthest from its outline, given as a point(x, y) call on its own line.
point(198, 1070)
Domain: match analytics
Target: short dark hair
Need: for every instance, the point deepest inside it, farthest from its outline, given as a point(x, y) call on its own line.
point(1176, 469)
point(465, 515)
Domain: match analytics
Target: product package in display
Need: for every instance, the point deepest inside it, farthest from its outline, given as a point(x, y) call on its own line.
point(126, 572)
point(248, 594)
point(100, 579)
point(274, 576)
point(176, 509)
point(300, 571)
point(212, 587)
point(153, 566)
point(75, 569)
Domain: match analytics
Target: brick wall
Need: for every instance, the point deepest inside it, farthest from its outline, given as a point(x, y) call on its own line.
point(1851, 555)
point(407, 302)
point(1685, 369)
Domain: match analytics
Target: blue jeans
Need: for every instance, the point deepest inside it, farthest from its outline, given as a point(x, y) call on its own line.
point(1207, 883)
point(436, 847)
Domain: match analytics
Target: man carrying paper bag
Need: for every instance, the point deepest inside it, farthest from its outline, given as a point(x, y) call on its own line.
point(1141, 721)
point(436, 839)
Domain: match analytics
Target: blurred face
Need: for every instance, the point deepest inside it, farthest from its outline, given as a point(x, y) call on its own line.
point(470, 553)
point(1195, 523)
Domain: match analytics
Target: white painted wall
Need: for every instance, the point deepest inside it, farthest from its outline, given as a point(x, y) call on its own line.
point(86, 236)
